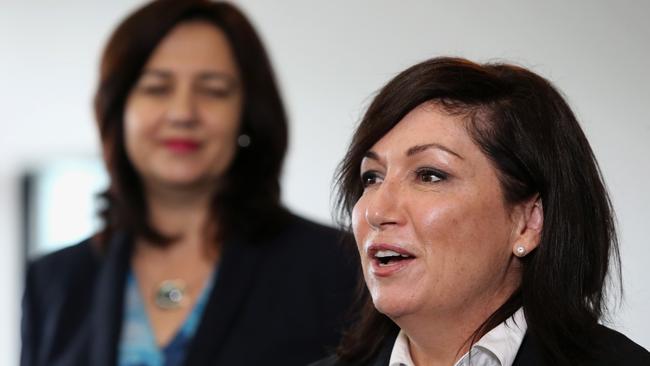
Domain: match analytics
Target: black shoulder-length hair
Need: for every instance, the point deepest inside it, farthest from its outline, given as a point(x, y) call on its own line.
point(527, 130)
point(248, 201)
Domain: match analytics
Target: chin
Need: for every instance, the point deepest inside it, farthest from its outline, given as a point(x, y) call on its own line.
point(179, 180)
point(182, 182)
point(393, 305)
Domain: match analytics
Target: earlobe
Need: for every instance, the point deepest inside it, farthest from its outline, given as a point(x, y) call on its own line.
point(520, 251)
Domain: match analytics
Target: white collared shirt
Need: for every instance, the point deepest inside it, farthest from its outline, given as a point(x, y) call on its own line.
point(498, 347)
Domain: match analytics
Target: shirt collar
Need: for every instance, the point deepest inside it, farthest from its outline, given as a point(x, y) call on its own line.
point(401, 356)
point(502, 341)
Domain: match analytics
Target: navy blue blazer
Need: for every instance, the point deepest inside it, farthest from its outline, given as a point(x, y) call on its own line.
point(278, 302)
point(614, 349)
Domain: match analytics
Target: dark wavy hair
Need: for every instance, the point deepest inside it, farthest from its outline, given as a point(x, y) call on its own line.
point(527, 130)
point(248, 201)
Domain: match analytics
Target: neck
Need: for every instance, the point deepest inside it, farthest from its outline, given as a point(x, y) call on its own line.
point(183, 215)
point(180, 213)
point(442, 338)
point(431, 346)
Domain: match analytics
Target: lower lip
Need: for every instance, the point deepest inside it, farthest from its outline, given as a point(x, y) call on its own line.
point(181, 146)
point(390, 269)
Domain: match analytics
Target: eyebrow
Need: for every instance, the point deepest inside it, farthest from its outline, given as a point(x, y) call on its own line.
point(415, 150)
point(371, 155)
point(419, 148)
point(204, 76)
point(157, 73)
point(216, 75)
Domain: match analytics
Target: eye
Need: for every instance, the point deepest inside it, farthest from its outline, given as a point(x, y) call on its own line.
point(154, 89)
point(369, 178)
point(217, 88)
point(430, 175)
point(215, 92)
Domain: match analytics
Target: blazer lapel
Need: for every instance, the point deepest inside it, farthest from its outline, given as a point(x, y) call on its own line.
point(107, 307)
point(237, 271)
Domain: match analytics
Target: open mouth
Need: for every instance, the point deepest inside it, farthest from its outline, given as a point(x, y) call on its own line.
point(387, 257)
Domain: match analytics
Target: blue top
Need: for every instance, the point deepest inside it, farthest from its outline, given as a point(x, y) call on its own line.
point(137, 345)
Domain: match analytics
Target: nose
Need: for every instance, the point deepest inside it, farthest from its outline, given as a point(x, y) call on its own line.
point(383, 209)
point(182, 109)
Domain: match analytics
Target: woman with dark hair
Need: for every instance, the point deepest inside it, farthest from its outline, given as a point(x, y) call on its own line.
point(484, 228)
point(198, 262)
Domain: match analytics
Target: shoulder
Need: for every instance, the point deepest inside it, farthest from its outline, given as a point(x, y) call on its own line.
point(308, 239)
point(57, 298)
point(316, 261)
point(82, 250)
point(608, 347)
point(53, 274)
point(319, 242)
point(616, 348)
point(66, 262)
point(304, 228)
point(330, 361)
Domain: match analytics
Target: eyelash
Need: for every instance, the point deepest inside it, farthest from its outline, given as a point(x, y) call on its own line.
point(421, 175)
point(155, 90)
point(216, 92)
point(159, 90)
point(367, 176)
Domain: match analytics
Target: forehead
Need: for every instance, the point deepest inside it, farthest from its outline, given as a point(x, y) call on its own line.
point(426, 124)
point(193, 45)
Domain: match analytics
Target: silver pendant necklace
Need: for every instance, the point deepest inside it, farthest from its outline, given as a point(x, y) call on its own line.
point(171, 294)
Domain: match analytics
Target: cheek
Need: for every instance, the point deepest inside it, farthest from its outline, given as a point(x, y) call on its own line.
point(359, 224)
point(450, 237)
point(223, 116)
point(221, 144)
point(466, 243)
point(435, 223)
point(137, 144)
point(223, 126)
point(461, 223)
point(138, 120)
point(220, 125)
point(134, 132)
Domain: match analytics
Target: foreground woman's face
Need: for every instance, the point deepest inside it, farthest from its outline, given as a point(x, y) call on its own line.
point(183, 114)
point(432, 228)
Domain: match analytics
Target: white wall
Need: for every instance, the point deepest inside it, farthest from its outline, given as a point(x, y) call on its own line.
point(331, 56)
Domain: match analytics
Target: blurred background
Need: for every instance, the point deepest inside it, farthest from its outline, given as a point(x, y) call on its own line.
point(330, 58)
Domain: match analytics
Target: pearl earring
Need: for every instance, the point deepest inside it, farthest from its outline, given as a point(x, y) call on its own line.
point(520, 251)
point(243, 140)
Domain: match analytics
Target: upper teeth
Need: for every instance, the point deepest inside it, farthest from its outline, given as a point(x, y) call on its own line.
point(388, 253)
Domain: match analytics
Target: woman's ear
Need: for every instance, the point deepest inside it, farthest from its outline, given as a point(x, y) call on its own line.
point(530, 222)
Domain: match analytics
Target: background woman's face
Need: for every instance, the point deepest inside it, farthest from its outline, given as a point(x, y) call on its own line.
point(432, 228)
point(183, 115)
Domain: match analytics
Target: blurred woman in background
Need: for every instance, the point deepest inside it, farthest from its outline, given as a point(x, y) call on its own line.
point(484, 228)
point(198, 262)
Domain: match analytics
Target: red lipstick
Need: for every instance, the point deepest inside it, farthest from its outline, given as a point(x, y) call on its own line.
point(179, 145)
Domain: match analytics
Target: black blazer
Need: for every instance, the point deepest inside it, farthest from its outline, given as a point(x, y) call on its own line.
point(278, 302)
point(615, 349)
